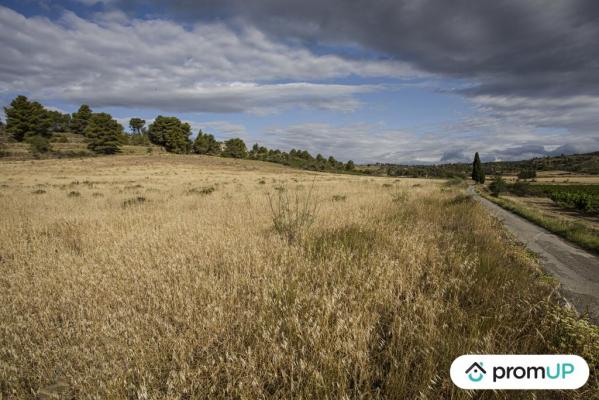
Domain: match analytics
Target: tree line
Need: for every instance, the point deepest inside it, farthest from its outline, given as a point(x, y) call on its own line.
point(30, 122)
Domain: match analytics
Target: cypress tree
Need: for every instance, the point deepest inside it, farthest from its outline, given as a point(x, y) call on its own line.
point(478, 174)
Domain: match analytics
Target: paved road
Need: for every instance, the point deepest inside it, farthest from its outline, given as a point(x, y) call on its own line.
point(576, 269)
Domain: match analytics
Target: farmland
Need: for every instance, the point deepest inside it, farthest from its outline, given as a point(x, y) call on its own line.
point(163, 276)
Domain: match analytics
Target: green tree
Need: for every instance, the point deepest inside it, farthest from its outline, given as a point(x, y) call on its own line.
point(137, 125)
point(25, 119)
point(80, 119)
point(171, 133)
point(235, 148)
point(478, 175)
point(497, 186)
point(350, 166)
point(104, 133)
point(528, 173)
point(205, 143)
point(59, 122)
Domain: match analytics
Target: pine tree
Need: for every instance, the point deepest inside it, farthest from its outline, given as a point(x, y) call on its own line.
point(235, 148)
point(25, 119)
point(80, 119)
point(104, 133)
point(206, 144)
point(171, 133)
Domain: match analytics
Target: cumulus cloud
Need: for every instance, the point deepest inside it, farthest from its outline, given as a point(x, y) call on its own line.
point(115, 61)
point(378, 143)
point(524, 47)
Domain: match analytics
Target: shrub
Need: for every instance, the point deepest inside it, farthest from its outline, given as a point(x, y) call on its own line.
point(134, 201)
point(203, 191)
point(59, 139)
point(520, 188)
point(73, 194)
point(39, 144)
point(339, 197)
point(529, 173)
point(39, 191)
point(497, 186)
point(292, 217)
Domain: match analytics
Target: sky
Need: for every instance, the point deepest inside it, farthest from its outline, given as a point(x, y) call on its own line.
point(392, 81)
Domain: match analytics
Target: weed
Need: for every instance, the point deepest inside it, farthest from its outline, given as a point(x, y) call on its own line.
point(202, 191)
point(134, 201)
point(292, 216)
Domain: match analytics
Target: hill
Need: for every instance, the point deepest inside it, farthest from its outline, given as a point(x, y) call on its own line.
point(587, 163)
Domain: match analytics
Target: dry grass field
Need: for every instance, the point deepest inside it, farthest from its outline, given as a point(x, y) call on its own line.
point(185, 277)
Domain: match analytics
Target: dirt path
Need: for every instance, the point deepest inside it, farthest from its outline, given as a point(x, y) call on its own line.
point(576, 269)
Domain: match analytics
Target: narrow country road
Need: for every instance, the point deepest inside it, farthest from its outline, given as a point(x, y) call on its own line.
point(576, 269)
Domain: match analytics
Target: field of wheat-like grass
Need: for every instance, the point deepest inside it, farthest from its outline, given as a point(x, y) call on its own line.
point(184, 277)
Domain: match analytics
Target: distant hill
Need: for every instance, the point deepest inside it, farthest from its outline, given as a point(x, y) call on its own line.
point(587, 163)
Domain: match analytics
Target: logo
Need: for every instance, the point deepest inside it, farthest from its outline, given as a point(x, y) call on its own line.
point(476, 372)
point(523, 372)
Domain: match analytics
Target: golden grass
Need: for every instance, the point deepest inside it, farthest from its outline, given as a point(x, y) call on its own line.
point(191, 293)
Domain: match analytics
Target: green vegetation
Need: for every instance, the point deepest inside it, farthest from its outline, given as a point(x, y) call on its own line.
point(171, 133)
point(528, 173)
point(104, 134)
point(579, 200)
point(235, 148)
point(478, 175)
point(577, 233)
point(25, 119)
point(581, 197)
point(497, 186)
point(80, 119)
point(206, 144)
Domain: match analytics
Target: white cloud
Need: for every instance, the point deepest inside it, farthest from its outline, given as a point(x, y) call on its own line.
point(441, 144)
point(213, 67)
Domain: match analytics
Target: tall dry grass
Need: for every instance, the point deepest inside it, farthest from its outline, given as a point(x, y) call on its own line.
point(193, 293)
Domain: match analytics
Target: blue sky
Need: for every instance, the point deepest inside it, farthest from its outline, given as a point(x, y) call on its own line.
point(287, 77)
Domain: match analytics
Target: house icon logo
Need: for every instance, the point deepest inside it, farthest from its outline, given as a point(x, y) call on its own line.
point(476, 372)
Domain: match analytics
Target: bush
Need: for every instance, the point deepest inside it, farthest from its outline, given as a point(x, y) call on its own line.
point(74, 194)
point(497, 186)
point(134, 201)
point(203, 191)
point(59, 139)
point(39, 144)
point(292, 217)
point(520, 188)
point(530, 173)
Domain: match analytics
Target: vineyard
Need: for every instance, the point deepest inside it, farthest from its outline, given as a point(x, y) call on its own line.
point(581, 197)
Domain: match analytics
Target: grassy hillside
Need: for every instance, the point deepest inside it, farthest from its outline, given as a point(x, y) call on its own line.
point(66, 145)
point(200, 277)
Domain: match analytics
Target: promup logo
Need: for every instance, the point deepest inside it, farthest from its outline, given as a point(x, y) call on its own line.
point(519, 372)
point(476, 372)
